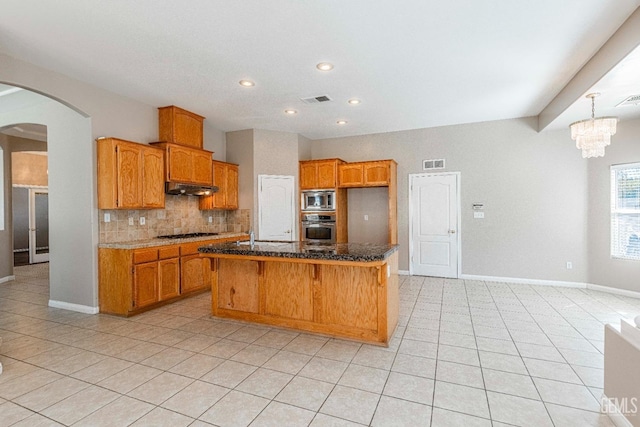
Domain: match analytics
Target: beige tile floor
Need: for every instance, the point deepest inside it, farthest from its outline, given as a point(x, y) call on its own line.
point(465, 354)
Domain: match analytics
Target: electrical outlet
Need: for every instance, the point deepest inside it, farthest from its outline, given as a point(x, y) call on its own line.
point(142, 220)
point(210, 219)
point(366, 217)
point(107, 217)
point(130, 220)
point(569, 265)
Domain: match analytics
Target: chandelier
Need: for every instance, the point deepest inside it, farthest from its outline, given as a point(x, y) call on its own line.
point(592, 135)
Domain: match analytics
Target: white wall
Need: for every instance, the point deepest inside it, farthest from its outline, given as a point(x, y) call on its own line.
point(603, 270)
point(533, 186)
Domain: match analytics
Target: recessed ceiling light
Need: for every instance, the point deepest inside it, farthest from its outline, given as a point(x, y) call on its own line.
point(342, 122)
point(246, 83)
point(290, 112)
point(324, 66)
point(354, 101)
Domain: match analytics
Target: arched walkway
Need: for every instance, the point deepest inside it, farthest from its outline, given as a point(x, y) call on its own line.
point(72, 207)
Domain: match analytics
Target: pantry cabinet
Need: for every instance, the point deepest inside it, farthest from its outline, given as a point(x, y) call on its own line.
point(130, 175)
point(225, 177)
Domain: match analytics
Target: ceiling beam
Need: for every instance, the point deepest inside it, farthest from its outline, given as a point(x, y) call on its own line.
point(621, 44)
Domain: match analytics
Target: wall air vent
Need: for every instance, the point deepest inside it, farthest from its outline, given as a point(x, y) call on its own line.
point(433, 164)
point(632, 100)
point(316, 99)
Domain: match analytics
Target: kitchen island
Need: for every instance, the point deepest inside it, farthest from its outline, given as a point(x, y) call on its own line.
point(346, 290)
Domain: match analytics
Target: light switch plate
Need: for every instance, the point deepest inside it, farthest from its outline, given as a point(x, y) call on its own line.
point(130, 220)
point(107, 217)
point(142, 220)
point(210, 219)
point(478, 215)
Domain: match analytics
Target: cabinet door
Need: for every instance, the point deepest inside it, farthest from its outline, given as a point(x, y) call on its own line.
point(195, 273)
point(152, 178)
point(350, 297)
point(238, 285)
point(291, 298)
point(350, 175)
point(187, 128)
point(326, 174)
point(129, 176)
point(179, 164)
point(169, 278)
point(232, 187)
point(202, 171)
point(220, 180)
point(376, 174)
point(145, 284)
point(308, 175)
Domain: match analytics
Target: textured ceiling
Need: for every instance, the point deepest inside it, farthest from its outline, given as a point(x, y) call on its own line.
point(413, 63)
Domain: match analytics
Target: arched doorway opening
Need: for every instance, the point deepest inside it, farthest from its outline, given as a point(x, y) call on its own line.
point(73, 230)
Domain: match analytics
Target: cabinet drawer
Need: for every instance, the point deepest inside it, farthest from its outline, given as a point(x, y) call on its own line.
point(191, 248)
point(169, 252)
point(145, 255)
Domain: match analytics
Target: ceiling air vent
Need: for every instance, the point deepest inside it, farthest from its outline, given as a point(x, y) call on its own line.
point(433, 164)
point(316, 99)
point(632, 100)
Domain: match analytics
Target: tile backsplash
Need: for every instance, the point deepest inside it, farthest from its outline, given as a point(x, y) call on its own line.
point(180, 215)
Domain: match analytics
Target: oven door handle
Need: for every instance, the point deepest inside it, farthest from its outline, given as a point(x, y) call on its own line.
point(318, 224)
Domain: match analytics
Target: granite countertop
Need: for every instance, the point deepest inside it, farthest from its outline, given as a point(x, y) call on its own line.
point(359, 252)
point(149, 243)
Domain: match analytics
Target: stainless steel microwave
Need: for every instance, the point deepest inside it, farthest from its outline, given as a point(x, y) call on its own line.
point(322, 200)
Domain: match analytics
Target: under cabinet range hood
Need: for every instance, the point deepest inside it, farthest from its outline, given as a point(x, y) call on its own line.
point(189, 189)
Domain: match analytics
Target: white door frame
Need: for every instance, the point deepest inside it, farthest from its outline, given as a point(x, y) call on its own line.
point(412, 176)
point(35, 257)
point(294, 228)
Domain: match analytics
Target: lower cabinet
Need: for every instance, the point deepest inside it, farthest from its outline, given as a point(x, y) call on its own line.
point(346, 300)
point(134, 280)
point(195, 273)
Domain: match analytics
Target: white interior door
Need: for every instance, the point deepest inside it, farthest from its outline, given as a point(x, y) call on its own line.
point(276, 208)
point(38, 225)
point(435, 236)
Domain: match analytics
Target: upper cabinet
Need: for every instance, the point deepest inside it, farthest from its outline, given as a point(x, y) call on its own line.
point(180, 126)
point(186, 165)
point(366, 174)
point(225, 177)
point(130, 175)
point(319, 174)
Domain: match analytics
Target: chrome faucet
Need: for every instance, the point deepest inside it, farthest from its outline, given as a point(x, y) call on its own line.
point(252, 238)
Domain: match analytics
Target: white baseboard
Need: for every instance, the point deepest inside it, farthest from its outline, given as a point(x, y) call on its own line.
point(613, 412)
point(525, 281)
point(7, 279)
point(403, 272)
point(74, 307)
point(617, 291)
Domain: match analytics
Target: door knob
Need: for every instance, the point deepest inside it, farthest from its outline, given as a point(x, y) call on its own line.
point(452, 231)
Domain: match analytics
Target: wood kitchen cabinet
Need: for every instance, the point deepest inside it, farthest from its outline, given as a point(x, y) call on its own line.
point(180, 126)
point(225, 177)
point(239, 287)
point(195, 271)
point(319, 174)
point(366, 174)
point(351, 299)
point(131, 281)
point(186, 165)
point(130, 175)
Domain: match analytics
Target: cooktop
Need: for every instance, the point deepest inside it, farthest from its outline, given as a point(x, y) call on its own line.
point(186, 235)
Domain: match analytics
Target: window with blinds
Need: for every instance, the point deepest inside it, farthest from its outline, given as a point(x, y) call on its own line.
point(625, 211)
